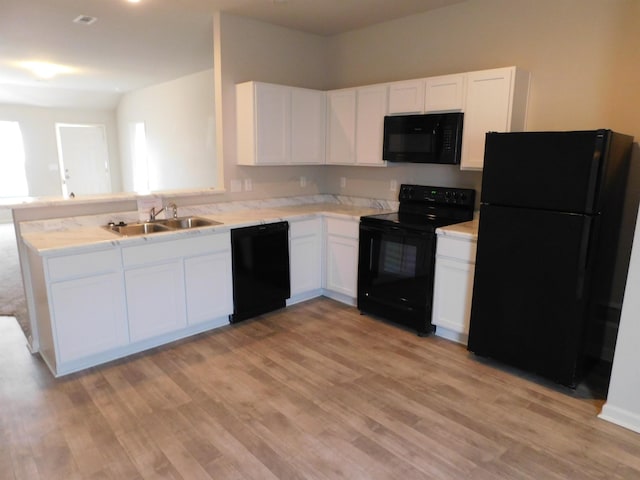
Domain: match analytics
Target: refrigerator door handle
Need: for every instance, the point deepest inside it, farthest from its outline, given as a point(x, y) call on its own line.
point(584, 258)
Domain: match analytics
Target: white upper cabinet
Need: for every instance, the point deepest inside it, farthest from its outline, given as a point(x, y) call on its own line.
point(423, 95)
point(407, 97)
point(308, 118)
point(279, 125)
point(496, 101)
point(341, 127)
point(370, 111)
point(355, 124)
point(445, 93)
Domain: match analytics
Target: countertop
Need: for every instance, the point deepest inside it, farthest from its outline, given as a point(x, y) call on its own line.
point(81, 238)
point(466, 230)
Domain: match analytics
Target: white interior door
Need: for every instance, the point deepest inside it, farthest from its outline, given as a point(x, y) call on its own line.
point(84, 159)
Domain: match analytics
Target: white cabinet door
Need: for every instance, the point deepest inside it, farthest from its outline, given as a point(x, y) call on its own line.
point(263, 124)
point(155, 299)
point(406, 97)
point(496, 101)
point(372, 104)
point(341, 126)
point(305, 256)
point(453, 288)
point(273, 124)
point(341, 274)
point(88, 316)
point(445, 93)
point(208, 286)
point(308, 124)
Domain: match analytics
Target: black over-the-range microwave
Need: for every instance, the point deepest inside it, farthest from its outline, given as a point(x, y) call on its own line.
point(427, 138)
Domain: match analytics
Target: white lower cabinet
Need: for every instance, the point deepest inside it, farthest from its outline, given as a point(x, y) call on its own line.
point(155, 299)
point(97, 306)
point(305, 258)
point(80, 306)
point(88, 315)
point(341, 268)
point(174, 283)
point(453, 287)
point(208, 283)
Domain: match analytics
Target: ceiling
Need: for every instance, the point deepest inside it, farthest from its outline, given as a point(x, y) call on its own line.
point(130, 45)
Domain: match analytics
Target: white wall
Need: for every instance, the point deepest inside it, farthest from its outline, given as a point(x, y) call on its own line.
point(623, 400)
point(180, 130)
point(39, 135)
point(245, 50)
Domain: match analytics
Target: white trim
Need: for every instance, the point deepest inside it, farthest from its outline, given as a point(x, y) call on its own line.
point(621, 417)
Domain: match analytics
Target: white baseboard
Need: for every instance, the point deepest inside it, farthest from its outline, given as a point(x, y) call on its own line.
point(621, 417)
point(457, 337)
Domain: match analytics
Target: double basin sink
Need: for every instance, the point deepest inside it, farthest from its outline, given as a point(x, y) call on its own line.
point(166, 225)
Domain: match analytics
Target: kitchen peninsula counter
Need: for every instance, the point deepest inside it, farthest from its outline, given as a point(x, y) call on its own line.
point(73, 237)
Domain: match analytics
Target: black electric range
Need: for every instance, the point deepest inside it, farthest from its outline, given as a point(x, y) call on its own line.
point(397, 253)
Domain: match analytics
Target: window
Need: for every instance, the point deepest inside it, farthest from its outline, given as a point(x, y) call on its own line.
point(13, 177)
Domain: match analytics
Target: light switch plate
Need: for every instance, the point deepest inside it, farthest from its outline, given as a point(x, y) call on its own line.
point(247, 185)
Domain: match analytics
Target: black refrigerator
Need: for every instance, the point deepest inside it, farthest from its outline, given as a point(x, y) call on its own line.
point(550, 217)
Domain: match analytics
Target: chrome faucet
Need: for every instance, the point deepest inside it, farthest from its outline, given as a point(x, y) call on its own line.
point(174, 207)
point(153, 214)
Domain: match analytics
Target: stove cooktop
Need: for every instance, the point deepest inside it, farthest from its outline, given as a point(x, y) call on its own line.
point(418, 222)
point(426, 208)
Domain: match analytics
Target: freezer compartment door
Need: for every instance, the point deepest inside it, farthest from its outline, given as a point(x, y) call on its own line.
point(530, 290)
point(544, 170)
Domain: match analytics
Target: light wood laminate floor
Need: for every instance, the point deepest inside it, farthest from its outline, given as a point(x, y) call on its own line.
point(313, 391)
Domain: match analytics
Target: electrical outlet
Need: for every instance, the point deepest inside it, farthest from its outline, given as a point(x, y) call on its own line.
point(343, 182)
point(247, 185)
point(303, 181)
point(393, 185)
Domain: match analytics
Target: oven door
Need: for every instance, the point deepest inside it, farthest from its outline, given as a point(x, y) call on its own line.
point(395, 274)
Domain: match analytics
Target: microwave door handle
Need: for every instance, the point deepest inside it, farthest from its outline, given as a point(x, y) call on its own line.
point(438, 136)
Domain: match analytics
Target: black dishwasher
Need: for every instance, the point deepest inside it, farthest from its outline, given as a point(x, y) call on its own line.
point(260, 262)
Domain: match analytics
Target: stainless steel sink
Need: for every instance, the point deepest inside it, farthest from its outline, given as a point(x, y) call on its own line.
point(138, 228)
point(181, 223)
point(144, 228)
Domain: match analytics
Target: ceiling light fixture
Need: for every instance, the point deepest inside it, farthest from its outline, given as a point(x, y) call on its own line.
point(45, 70)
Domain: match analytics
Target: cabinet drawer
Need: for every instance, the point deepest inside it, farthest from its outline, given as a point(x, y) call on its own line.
point(459, 248)
point(304, 228)
point(342, 228)
point(84, 264)
point(186, 247)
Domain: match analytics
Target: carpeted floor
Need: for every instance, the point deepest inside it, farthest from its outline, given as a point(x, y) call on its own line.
point(12, 300)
